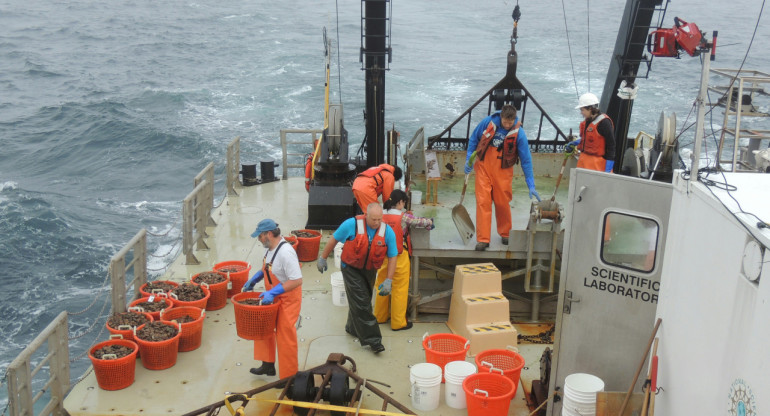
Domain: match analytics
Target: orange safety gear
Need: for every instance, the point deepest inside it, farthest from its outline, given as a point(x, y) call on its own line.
point(394, 220)
point(308, 171)
point(373, 182)
point(394, 305)
point(493, 185)
point(362, 254)
point(285, 327)
point(587, 161)
point(510, 155)
point(592, 142)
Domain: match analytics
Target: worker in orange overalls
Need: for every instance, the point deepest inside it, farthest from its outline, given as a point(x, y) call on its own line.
point(283, 277)
point(597, 137)
point(373, 182)
point(499, 142)
point(393, 306)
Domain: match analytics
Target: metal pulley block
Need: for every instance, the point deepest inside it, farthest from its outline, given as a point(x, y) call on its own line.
point(546, 209)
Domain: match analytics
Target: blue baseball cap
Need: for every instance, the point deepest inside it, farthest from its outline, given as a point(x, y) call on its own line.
point(265, 225)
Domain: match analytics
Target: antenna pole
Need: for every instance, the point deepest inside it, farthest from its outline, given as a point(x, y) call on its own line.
point(701, 103)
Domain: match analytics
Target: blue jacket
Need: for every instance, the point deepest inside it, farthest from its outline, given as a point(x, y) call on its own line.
point(522, 145)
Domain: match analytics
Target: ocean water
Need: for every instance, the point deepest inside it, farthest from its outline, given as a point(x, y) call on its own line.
point(108, 110)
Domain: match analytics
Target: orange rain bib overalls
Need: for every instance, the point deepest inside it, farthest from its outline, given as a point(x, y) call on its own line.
point(285, 331)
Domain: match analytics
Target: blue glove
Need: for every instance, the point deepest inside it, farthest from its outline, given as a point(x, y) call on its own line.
point(533, 194)
point(468, 169)
point(322, 266)
point(432, 225)
point(531, 185)
point(268, 297)
point(570, 147)
point(249, 286)
point(384, 287)
point(608, 165)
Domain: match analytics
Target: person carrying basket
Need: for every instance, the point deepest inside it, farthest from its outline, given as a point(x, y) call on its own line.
point(284, 279)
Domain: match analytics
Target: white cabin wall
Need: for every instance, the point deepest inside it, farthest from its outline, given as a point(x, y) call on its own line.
point(714, 332)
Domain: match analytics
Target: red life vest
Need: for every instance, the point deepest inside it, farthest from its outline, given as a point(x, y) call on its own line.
point(362, 254)
point(510, 151)
point(592, 142)
point(394, 220)
point(375, 172)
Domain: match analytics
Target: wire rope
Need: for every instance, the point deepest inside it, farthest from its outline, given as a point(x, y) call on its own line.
point(569, 48)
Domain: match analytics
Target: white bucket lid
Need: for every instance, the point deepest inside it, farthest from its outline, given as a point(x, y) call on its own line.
point(583, 383)
point(459, 369)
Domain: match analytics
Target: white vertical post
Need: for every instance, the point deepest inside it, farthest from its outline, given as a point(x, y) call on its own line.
point(701, 103)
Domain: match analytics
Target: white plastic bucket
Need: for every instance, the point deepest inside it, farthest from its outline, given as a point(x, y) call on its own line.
point(416, 198)
point(338, 290)
point(580, 394)
point(454, 374)
point(338, 255)
point(426, 386)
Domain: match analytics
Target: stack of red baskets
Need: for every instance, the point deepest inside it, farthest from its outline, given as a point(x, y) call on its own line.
point(254, 322)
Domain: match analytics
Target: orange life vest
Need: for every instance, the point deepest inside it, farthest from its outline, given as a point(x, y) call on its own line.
point(592, 142)
point(394, 220)
point(362, 254)
point(510, 151)
point(308, 171)
point(375, 172)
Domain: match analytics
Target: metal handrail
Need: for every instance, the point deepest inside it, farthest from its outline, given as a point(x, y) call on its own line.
point(285, 145)
point(195, 215)
point(232, 165)
point(21, 401)
point(118, 269)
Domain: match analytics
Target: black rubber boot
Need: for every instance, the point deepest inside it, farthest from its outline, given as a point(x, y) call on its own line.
point(266, 368)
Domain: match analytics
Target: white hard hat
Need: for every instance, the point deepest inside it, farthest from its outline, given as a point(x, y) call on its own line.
point(587, 100)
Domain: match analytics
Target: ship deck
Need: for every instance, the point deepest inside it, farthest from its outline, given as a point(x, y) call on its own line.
point(221, 365)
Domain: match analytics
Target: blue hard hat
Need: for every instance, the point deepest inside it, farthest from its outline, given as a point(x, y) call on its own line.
point(265, 225)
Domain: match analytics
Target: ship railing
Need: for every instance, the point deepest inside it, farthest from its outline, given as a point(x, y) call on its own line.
point(232, 166)
point(135, 252)
point(196, 211)
point(23, 370)
point(289, 148)
point(207, 174)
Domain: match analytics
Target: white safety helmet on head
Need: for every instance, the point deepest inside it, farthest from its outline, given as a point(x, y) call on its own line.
point(587, 100)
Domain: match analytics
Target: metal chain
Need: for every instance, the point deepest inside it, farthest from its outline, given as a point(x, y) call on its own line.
point(91, 328)
point(96, 298)
point(544, 337)
point(173, 246)
point(166, 233)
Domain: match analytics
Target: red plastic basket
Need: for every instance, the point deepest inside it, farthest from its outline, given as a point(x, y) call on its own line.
point(254, 321)
point(159, 355)
point(144, 292)
point(192, 332)
point(238, 277)
point(507, 361)
point(126, 331)
point(200, 303)
point(307, 249)
point(488, 394)
point(441, 349)
point(162, 297)
point(118, 373)
point(218, 298)
point(293, 241)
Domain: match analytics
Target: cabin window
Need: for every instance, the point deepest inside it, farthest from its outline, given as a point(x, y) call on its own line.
point(629, 241)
